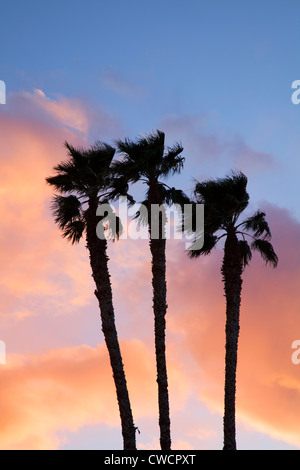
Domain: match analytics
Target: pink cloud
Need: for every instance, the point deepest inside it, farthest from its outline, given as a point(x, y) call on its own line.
point(64, 389)
point(201, 144)
point(42, 274)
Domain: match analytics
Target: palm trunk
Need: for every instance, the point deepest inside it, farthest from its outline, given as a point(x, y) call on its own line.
point(159, 285)
point(99, 264)
point(157, 248)
point(232, 277)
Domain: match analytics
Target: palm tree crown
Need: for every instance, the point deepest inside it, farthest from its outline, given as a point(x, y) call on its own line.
point(85, 175)
point(148, 160)
point(224, 201)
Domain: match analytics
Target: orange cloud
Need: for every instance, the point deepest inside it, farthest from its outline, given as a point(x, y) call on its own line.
point(67, 388)
point(37, 261)
point(31, 247)
point(70, 112)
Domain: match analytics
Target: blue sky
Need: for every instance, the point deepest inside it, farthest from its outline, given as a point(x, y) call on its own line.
point(214, 75)
point(237, 58)
point(232, 63)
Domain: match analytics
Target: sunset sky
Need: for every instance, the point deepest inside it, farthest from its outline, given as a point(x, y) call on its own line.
point(215, 76)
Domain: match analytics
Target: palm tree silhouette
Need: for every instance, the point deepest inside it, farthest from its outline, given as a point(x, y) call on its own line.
point(149, 161)
point(81, 182)
point(224, 200)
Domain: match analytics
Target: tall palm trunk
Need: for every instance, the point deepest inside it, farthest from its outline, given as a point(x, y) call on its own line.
point(232, 277)
point(157, 248)
point(99, 264)
point(159, 285)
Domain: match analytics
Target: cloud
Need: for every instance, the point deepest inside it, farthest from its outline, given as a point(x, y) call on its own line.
point(204, 147)
point(114, 81)
point(61, 390)
point(247, 159)
point(32, 249)
point(70, 112)
point(42, 276)
point(85, 121)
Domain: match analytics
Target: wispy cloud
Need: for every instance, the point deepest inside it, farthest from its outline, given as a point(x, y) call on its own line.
point(84, 120)
point(204, 146)
point(114, 81)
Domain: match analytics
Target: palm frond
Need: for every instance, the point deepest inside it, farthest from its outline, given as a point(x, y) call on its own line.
point(176, 196)
point(127, 169)
point(62, 183)
point(266, 251)
point(86, 171)
point(224, 199)
point(73, 231)
point(117, 187)
point(65, 209)
point(226, 194)
point(68, 178)
point(77, 155)
point(99, 157)
point(148, 157)
point(258, 224)
point(245, 251)
point(172, 162)
point(131, 151)
point(209, 243)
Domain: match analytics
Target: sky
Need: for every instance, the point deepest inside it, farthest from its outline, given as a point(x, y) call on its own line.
point(216, 76)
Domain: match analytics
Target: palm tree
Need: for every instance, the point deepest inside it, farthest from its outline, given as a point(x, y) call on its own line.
point(149, 161)
point(81, 181)
point(224, 201)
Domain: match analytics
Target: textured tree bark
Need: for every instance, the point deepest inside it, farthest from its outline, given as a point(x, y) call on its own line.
point(159, 285)
point(158, 251)
point(99, 264)
point(232, 277)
